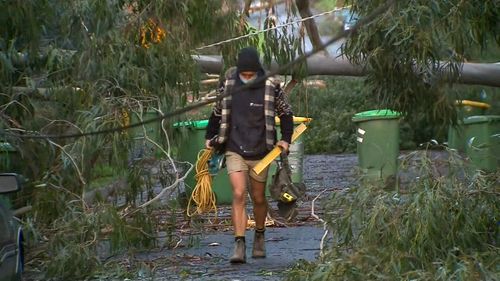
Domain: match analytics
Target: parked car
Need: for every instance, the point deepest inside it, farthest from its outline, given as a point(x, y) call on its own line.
point(11, 234)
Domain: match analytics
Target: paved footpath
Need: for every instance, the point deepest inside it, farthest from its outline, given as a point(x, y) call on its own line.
point(286, 245)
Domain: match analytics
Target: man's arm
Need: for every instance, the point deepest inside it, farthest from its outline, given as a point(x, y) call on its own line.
point(215, 117)
point(284, 113)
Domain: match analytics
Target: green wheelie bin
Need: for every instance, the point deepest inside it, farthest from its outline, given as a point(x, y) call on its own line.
point(377, 137)
point(482, 135)
point(456, 133)
point(194, 141)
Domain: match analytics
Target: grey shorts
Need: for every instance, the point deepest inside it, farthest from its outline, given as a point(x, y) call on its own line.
point(236, 163)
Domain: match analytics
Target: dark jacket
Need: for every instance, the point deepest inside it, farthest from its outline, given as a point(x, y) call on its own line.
point(251, 130)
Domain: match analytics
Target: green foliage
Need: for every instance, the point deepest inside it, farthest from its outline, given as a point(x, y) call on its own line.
point(432, 227)
point(73, 246)
point(331, 130)
point(281, 45)
point(82, 66)
point(20, 21)
point(409, 42)
point(325, 5)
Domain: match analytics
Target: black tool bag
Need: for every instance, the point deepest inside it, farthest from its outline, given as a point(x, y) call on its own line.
point(284, 190)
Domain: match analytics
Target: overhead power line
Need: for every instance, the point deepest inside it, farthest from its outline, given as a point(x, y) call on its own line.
point(270, 28)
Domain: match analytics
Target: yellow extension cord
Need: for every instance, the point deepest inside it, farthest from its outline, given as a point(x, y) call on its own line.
point(202, 195)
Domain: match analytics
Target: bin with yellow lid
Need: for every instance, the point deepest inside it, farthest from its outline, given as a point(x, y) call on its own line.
point(456, 132)
point(296, 155)
point(482, 137)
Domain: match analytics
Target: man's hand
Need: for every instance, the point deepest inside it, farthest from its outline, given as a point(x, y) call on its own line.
point(284, 145)
point(207, 144)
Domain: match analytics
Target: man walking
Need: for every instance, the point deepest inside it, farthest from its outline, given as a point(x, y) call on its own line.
point(244, 124)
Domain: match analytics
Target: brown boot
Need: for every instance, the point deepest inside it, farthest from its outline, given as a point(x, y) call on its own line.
point(259, 248)
point(239, 255)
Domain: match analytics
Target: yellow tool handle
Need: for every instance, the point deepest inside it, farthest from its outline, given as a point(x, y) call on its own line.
point(473, 103)
point(268, 159)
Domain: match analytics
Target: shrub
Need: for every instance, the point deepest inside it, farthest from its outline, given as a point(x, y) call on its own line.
point(433, 228)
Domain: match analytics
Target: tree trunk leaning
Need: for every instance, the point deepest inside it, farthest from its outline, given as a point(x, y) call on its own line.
point(485, 74)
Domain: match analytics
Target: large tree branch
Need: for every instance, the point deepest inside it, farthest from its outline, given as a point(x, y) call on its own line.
point(246, 8)
point(486, 74)
point(312, 29)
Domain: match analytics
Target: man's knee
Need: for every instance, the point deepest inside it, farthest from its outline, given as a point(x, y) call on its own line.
point(239, 195)
point(259, 199)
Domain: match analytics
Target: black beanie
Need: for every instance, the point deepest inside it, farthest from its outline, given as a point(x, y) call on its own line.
point(248, 60)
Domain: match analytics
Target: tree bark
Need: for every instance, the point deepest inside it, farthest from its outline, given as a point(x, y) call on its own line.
point(486, 74)
point(312, 29)
point(246, 8)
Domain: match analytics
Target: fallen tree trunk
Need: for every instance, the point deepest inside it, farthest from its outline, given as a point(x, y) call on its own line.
point(485, 74)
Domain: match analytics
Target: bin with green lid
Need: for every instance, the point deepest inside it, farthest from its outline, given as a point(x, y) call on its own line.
point(456, 132)
point(194, 136)
point(377, 137)
point(482, 134)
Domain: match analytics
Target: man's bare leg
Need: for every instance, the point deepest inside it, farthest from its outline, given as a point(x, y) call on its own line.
point(257, 192)
point(239, 216)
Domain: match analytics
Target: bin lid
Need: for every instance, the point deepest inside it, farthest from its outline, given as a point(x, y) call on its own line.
point(296, 120)
point(482, 119)
point(197, 124)
point(472, 103)
point(376, 114)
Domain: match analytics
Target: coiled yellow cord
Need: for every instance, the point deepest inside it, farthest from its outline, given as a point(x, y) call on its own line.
point(202, 194)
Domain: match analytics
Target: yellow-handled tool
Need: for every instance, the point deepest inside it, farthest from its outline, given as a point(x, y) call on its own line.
point(287, 197)
point(269, 158)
